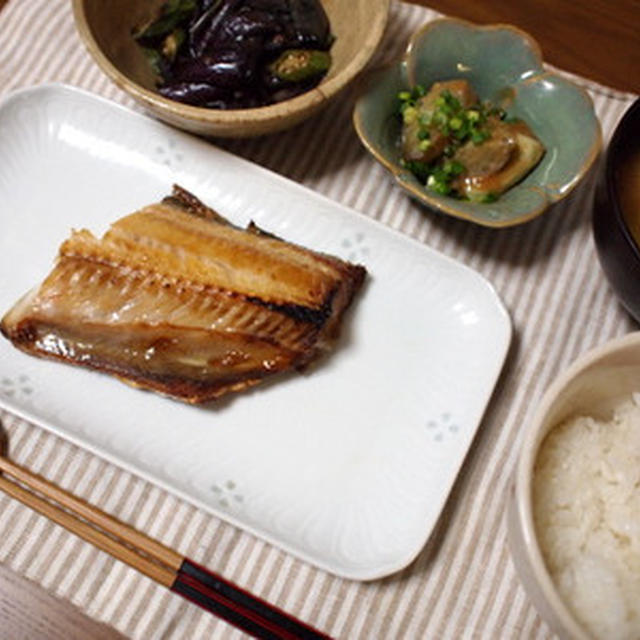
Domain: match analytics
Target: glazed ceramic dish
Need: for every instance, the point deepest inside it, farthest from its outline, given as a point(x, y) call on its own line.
point(504, 65)
point(105, 28)
point(592, 385)
point(348, 466)
point(616, 219)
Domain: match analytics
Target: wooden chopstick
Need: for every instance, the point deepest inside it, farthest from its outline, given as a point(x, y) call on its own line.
point(153, 570)
point(160, 563)
point(133, 538)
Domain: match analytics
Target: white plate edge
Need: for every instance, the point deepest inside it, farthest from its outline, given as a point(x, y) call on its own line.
point(504, 335)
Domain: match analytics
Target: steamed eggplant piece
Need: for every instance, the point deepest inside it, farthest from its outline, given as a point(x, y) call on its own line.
point(175, 299)
point(498, 163)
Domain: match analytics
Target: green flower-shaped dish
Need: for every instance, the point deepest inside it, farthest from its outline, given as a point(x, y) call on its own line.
point(504, 65)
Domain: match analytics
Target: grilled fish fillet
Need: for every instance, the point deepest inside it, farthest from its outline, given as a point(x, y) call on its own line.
point(175, 299)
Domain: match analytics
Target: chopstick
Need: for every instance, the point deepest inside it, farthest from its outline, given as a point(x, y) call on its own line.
point(150, 557)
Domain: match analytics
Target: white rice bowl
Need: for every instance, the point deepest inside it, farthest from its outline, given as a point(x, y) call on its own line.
point(586, 508)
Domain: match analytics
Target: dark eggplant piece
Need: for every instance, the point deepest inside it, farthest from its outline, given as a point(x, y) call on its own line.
point(194, 93)
point(203, 32)
point(201, 94)
point(310, 24)
point(228, 68)
point(238, 53)
point(250, 23)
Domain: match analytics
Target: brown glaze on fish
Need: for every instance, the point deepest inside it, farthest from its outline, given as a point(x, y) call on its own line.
point(175, 299)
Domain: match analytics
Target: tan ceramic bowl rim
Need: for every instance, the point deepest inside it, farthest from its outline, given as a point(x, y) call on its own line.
point(449, 208)
point(523, 485)
point(325, 90)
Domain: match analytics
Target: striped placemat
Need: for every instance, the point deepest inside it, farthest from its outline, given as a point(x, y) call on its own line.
point(463, 584)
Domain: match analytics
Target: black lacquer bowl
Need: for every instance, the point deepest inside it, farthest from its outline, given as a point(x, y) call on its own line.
point(616, 211)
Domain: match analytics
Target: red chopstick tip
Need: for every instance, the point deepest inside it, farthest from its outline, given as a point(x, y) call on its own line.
point(238, 606)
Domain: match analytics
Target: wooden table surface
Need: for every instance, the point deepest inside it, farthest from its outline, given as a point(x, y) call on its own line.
point(598, 39)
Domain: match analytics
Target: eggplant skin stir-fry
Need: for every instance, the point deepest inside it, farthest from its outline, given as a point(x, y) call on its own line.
point(237, 54)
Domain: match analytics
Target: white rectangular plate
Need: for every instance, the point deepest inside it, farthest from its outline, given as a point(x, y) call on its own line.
point(347, 467)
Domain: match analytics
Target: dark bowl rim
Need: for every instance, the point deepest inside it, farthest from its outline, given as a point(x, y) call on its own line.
point(611, 174)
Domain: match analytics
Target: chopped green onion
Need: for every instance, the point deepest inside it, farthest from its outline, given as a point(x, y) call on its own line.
point(409, 115)
point(449, 150)
point(459, 125)
point(478, 137)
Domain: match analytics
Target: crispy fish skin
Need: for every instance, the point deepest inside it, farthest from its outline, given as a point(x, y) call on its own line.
point(176, 299)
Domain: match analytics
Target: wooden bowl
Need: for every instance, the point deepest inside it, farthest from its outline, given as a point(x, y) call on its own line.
point(105, 28)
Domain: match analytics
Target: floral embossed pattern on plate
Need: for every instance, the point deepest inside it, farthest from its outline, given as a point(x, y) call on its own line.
point(348, 466)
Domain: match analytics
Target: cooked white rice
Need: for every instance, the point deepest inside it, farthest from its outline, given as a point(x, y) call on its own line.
point(586, 502)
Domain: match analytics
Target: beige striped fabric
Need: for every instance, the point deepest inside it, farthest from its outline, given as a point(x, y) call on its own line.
point(463, 584)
